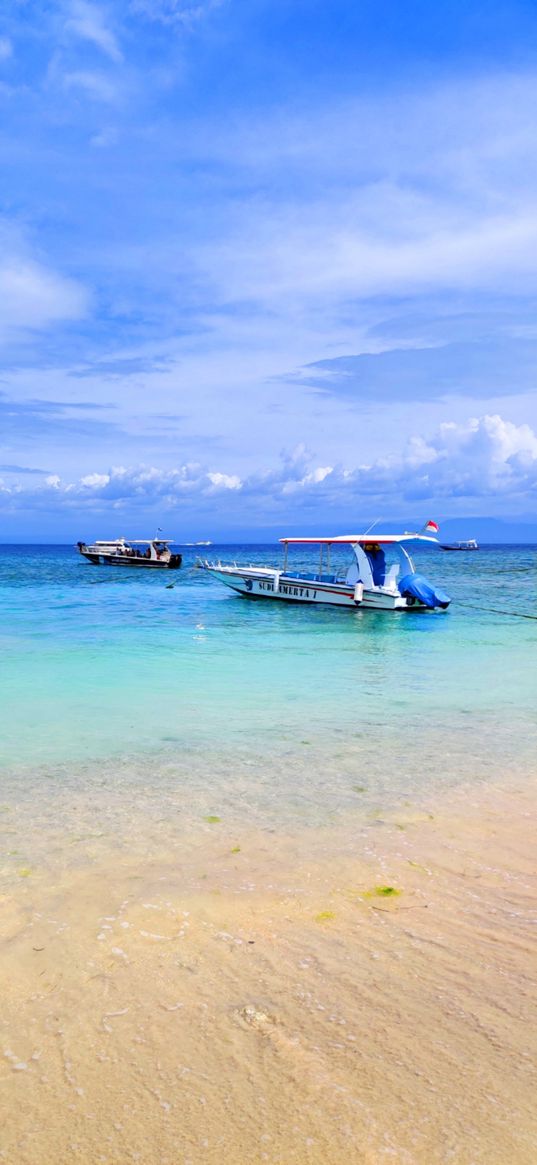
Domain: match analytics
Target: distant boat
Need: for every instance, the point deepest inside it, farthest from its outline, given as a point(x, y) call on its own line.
point(469, 544)
point(154, 553)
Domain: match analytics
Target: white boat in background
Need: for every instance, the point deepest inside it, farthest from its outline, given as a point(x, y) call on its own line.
point(469, 544)
point(154, 553)
point(381, 575)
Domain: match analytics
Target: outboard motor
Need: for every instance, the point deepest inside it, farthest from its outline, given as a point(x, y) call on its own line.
point(416, 586)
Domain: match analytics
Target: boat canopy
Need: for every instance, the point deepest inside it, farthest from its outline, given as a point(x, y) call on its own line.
point(364, 539)
point(136, 542)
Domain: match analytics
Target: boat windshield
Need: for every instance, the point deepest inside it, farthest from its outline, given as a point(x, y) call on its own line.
point(382, 564)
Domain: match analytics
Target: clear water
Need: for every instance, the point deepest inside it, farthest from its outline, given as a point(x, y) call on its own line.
point(123, 674)
point(200, 798)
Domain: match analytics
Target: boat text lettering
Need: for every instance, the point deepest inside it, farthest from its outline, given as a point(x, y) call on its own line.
point(288, 589)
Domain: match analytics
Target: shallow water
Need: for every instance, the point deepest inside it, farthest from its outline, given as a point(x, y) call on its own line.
point(115, 663)
point(198, 795)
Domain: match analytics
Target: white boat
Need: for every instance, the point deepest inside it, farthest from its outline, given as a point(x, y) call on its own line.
point(469, 544)
point(381, 575)
point(142, 552)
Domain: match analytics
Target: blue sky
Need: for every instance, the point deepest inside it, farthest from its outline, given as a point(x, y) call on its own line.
point(266, 265)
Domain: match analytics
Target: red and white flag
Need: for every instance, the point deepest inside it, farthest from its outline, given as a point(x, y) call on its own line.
point(431, 527)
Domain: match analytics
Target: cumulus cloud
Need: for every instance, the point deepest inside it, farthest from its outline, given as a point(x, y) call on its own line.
point(147, 483)
point(225, 480)
point(482, 458)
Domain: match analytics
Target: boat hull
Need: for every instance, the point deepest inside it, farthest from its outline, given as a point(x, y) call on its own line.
point(131, 563)
point(271, 585)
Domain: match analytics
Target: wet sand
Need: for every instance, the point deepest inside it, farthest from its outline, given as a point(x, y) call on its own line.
point(362, 992)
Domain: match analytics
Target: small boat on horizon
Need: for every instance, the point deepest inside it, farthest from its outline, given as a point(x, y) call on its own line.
point(154, 553)
point(381, 576)
point(469, 544)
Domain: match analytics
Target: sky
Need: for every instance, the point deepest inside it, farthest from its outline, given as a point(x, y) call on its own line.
point(267, 267)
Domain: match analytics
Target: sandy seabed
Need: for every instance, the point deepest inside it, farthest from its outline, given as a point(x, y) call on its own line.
point(361, 993)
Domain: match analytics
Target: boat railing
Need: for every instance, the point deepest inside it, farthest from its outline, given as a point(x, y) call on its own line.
point(306, 576)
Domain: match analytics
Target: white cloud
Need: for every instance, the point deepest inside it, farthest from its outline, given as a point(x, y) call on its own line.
point(435, 190)
point(178, 12)
point(95, 480)
point(6, 48)
point(225, 480)
point(88, 22)
point(32, 295)
point(483, 458)
point(313, 477)
point(95, 85)
point(335, 251)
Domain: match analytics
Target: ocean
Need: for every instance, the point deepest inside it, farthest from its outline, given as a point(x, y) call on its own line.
point(255, 765)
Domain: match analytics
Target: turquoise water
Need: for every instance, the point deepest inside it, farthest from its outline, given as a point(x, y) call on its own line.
point(113, 683)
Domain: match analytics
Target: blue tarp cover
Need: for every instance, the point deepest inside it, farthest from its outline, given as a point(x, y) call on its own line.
point(417, 586)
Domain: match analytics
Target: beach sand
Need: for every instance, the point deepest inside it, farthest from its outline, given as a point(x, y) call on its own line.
point(248, 996)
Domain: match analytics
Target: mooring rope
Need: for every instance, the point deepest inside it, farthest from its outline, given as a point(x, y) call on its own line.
point(495, 611)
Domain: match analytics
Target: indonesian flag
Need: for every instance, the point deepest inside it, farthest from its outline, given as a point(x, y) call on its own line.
point(430, 527)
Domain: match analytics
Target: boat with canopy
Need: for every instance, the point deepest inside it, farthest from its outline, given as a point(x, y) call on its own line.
point(469, 544)
point(154, 553)
point(380, 577)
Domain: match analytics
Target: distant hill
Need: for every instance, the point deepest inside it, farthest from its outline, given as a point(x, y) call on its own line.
point(489, 529)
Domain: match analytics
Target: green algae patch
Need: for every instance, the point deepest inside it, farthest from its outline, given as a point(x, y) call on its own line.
point(325, 916)
point(212, 819)
point(382, 892)
point(236, 849)
point(24, 873)
point(359, 789)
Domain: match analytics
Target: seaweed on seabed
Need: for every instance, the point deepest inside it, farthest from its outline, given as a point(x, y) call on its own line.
point(382, 892)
